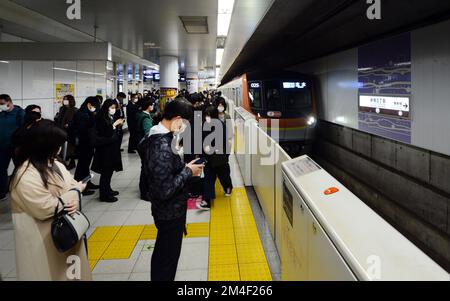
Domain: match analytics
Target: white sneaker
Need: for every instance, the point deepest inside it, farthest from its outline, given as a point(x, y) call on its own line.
point(228, 192)
point(203, 206)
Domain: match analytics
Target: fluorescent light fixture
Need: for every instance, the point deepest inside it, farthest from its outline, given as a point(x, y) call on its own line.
point(219, 56)
point(224, 16)
point(4, 62)
point(76, 71)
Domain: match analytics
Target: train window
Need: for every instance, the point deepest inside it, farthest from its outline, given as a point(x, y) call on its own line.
point(254, 94)
point(297, 99)
point(273, 96)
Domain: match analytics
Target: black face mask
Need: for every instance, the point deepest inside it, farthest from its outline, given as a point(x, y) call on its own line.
point(32, 117)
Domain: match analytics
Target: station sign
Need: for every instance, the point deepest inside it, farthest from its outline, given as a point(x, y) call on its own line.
point(398, 106)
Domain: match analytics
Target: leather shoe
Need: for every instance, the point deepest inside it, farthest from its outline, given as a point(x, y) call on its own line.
point(110, 199)
point(88, 192)
point(92, 186)
point(114, 193)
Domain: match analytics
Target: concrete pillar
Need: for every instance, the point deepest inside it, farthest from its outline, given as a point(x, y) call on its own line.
point(168, 69)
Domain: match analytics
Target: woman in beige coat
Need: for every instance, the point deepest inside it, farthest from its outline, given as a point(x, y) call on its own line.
point(37, 183)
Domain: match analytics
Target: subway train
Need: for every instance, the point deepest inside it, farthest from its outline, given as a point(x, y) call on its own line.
point(286, 97)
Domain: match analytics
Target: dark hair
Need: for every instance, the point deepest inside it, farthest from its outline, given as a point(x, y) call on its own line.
point(71, 100)
point(100, 98)
point(221, 101)
point(145, 103)
point(6, 97)
point(104, 111)
point(212, 112)
point(179, 107)
point(41, 144)
point(121, 95)
point(30, 115)
point(90, 100)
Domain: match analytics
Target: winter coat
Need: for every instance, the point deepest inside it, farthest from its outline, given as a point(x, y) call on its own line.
point(132, 111)
point(144, 123)
point(107, 147)
point(83, 128)
point(64, 117)
point(9, 123)
point(33, 207)
point(167, 176)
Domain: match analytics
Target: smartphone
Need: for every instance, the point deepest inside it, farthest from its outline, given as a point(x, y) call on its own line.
point(87, 179)
point(201, 161)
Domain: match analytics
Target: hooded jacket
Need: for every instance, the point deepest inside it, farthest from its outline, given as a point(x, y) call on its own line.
point(166, 175)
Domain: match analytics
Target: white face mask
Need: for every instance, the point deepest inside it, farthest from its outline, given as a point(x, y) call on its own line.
point(65, 102)
point(112, 112)
point(92, 109)
point(221, 109)
point(208, 119)
point(3, 107)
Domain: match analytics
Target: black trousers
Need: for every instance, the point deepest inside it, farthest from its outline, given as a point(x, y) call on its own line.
point(105, 183)
point(133, 140)
point(5, 159)
point(85, 156)
point(211, 174)
point(167, 249)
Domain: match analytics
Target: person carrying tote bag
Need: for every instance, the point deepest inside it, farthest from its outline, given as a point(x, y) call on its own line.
point(38, 186)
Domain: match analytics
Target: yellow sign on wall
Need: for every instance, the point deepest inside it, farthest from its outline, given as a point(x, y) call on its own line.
point(62, 90)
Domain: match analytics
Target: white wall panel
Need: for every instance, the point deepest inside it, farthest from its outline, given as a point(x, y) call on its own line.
point(11, 79)
point(342, 85)
point(45, 104)
point(100, 76)
point(85, 79)
point(430, 88)
point(37, 80)
point(67, 76)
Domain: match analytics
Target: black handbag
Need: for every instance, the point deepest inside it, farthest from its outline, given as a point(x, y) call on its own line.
point(67, 230)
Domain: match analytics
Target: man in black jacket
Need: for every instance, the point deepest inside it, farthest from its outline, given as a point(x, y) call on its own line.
point(167, 177)
point(132, 110)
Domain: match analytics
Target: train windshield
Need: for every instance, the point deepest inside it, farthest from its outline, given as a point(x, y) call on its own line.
point(254, 94)
point(297, 99)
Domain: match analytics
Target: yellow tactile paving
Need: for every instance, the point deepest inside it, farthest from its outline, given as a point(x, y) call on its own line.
point(129, 233)
point(251, 253)
point(255, 272)
point(222, 254)
point(149, 232)
point(92, 264)
point(96, 249)
point(235, 251)
point(224, 272)
point(197, 230)
point(104, 234)
point(119, 249)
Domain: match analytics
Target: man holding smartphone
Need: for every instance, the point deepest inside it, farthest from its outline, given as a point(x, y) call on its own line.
point(167, 178)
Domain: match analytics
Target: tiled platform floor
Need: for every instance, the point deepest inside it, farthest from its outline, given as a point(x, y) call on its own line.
point(121, 237)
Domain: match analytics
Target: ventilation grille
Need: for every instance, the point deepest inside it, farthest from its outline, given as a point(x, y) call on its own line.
point(195, 25)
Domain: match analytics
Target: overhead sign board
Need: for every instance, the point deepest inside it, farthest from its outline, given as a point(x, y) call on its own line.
point(398, 106)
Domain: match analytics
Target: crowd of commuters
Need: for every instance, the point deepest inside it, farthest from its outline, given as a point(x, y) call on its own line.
point(89, 138)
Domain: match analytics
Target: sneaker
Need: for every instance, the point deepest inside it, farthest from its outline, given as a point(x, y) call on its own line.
point(203, 205)
point(228, 191)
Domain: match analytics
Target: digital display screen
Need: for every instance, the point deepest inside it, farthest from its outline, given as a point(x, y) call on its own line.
point(181, 77)
point(130, 72)
point(137, 72)
point(120, 72)
point(148, 75)
point(294, 85)
point(255, 85)
point(156, 77)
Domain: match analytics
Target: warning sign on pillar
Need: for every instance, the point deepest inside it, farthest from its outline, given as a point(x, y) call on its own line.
point(166, 94)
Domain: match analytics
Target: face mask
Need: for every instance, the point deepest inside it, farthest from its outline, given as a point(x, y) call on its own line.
point(66, 102)
point(181, 129)
point(221, 109)
point(112, 112)
point(3, 108)
point(135, 100)
point(208, 119)
point(93, 109)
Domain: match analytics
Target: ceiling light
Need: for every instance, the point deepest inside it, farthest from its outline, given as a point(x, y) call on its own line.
point(4, 62)
point(224, 16)
point(219, 56)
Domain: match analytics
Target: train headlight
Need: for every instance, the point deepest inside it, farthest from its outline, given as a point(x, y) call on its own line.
point(311, 121)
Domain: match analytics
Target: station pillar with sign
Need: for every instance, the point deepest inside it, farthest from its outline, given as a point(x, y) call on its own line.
point(169, 79)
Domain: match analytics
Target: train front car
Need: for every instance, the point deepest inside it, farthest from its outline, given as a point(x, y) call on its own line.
point(285, 105)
